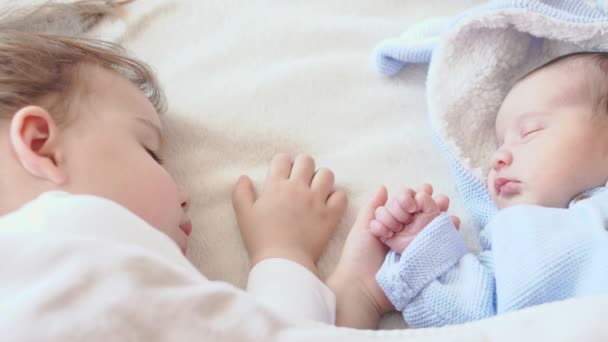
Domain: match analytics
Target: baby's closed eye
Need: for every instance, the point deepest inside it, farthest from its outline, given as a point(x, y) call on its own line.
point(528, 129)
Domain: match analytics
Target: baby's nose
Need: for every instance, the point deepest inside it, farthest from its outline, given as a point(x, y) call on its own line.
point(501, 158)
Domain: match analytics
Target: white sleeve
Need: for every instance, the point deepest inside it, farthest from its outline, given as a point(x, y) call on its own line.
point(292, 290)
point(129, 282)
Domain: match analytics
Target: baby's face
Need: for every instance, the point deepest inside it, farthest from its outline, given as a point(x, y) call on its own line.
point(109, 152)
point(551, 146)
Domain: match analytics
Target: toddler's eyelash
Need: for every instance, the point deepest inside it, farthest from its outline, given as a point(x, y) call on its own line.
point(154, 156)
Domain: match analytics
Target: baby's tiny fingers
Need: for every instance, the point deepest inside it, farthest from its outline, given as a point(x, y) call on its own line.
point(443, 202)
point(406, 200)
point(426, 188)
point(385, 217)
point(425, 203)
point(400, 214)
point(379, 230)
point(456, 221)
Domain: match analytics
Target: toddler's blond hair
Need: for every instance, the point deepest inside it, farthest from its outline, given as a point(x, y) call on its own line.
point(42, 49)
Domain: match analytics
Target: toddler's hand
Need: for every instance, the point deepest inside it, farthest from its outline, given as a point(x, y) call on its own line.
point(295, 215)
point(398, 223)
point(360, 300)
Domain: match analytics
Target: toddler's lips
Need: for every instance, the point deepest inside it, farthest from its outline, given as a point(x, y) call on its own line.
point(506, 186)
point(186, 227)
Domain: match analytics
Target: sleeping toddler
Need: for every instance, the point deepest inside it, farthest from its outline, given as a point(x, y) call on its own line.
point(81, 150)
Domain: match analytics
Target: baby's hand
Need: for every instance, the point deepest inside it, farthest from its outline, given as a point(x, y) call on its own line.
point(399, 222)
point(295, 215)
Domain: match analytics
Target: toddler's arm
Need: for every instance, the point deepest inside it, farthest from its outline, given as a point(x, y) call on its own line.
point(360, 301)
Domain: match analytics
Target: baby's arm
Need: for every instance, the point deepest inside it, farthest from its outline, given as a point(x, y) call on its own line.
point(435, 282)
point(405, 273)
point(285, 230)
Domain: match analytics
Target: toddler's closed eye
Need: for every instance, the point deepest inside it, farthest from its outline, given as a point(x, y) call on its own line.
point(154, 156)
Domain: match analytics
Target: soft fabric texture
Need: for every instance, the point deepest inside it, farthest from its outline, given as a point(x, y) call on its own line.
point(530, 256)
point(82, 268)
point(292, 290)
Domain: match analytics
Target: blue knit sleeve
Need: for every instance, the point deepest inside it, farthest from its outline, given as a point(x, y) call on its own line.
point(435, 282)
point(549, 254)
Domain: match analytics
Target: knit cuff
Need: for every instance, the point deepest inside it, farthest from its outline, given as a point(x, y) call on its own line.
point(435, 250)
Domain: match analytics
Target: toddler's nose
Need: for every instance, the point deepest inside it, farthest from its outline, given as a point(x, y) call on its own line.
point(185, 201)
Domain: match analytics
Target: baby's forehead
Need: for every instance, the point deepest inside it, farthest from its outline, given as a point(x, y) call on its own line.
point(567, 83)
point(579, 75)
point(573, 80)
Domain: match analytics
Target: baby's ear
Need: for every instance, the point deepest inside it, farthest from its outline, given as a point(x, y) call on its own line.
point(34, 141)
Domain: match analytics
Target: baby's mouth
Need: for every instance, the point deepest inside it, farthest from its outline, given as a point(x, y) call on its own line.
point(506, 187)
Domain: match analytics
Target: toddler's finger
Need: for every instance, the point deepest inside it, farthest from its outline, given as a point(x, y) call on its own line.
point(366, 213)
point(406, 200)
point(337, 203)
point(323, 183)
point(280, 167)
point(379, 230)
point(398, 212)
point(303, 169)
point(243, 195)
point(387, 219)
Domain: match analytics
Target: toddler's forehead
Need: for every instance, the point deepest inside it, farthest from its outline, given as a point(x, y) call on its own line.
point(103, 93)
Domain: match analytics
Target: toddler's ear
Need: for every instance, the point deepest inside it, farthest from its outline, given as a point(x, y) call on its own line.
point(34, 141)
